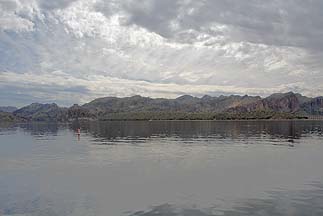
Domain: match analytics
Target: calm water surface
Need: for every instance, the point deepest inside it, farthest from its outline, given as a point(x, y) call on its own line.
point(165, 168)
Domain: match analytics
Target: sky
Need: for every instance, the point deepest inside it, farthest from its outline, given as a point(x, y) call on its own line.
point(73, 51)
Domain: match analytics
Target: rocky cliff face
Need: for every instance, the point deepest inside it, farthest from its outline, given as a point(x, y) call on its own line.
point(287, 102)
point(313, 107)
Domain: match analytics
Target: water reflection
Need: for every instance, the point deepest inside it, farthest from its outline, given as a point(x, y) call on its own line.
point(280, 203)
point(34, 128)
point(41, 129)
point(192, 130)
point(44, 206)
point(195, 168)
point(115, 130)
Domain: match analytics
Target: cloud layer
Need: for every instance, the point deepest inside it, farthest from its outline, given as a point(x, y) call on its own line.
point(71, 51)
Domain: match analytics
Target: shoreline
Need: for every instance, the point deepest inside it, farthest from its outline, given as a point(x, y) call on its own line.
point(161, 120)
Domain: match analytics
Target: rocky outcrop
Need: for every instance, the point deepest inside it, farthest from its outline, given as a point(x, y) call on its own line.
point(313, 107)
point(286, 102)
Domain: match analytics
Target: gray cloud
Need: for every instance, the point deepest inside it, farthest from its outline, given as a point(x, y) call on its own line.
point(15, 16)
point(56, 4)
point(277, 22)
point(156, 16)
point(54, 50)
point(8, 5)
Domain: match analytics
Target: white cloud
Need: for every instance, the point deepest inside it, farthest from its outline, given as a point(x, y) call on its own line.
point(59, 85)
point(9, 21)
point(103, 48)
point(18, 15)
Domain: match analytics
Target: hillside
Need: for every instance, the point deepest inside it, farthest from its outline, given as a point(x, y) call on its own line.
point(9, 117)
point(277, 106)
point(42, 112)
point(184, 103)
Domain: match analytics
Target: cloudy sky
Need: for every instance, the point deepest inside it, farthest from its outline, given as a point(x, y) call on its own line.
point(72, 51)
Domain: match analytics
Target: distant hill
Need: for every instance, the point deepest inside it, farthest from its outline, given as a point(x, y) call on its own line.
point(42, 112)
point(9, 117)
point(9, 109)
point(184, 103)
point(280, 105)
point(286, 102)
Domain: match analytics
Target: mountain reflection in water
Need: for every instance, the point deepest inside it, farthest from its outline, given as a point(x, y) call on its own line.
point(162, 168)
point(192, 130)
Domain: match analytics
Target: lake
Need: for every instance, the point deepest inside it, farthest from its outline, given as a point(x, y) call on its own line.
point(162, 168)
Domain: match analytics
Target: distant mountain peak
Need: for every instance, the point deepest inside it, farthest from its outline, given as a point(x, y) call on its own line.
point(185, 97)
point(287, 94)
point(136, 96)
point(207, 97)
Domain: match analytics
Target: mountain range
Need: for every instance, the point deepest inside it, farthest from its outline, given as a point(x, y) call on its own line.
point(279, 105)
